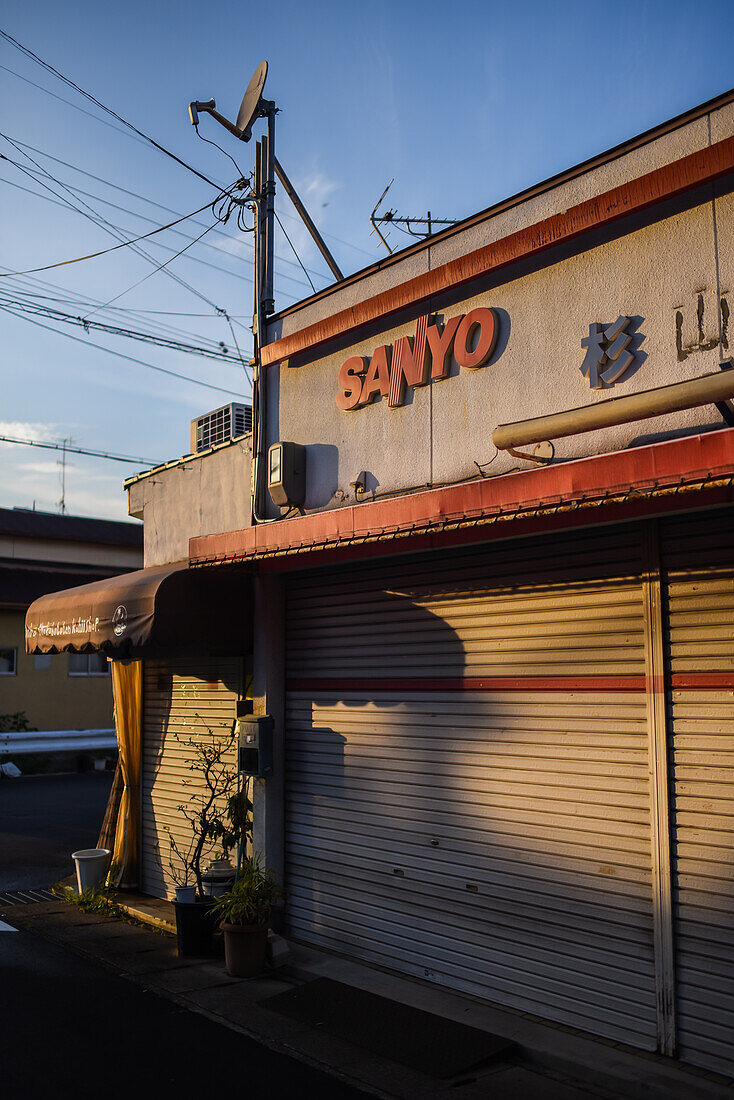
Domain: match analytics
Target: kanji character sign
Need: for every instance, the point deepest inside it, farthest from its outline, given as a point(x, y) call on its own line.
point(607, 357)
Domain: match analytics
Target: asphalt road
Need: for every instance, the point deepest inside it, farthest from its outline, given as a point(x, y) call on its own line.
point(70, 1028)
point(43, 819)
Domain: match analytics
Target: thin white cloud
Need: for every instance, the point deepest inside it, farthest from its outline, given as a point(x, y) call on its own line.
point(27, 470)
point(26, 429)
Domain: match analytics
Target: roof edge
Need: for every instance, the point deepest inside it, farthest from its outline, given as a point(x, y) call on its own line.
point(540, 188)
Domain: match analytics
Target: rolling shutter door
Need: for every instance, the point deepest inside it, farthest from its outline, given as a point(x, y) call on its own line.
point(698, 557)
point(180, 700)
point(467, 780)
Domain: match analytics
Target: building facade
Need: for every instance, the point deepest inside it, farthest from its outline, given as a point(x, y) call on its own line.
point(42, 552)
point(491, 616)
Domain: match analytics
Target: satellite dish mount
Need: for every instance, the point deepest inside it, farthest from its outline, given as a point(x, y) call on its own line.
point(252, 108)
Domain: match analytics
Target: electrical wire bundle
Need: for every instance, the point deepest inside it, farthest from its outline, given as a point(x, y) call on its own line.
point(227, 203)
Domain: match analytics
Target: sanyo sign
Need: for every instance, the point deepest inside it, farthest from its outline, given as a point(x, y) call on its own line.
point(411, 362)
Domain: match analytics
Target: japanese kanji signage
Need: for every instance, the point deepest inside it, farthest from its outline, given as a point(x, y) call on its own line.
point(607, 356)
point(412, 362)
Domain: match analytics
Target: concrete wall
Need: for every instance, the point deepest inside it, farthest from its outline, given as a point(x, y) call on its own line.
point(199, 495)
point(50, 697)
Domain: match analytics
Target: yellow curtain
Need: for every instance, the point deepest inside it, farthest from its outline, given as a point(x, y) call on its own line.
point(127, 691)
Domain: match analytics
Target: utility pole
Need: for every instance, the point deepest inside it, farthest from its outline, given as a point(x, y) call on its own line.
point(62, 463)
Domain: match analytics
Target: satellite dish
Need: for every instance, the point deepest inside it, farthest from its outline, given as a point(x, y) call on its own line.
point(250, 105)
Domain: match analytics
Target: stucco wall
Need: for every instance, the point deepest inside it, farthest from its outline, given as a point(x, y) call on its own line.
point(444, 429)
point(50, 697)
point(197, 496)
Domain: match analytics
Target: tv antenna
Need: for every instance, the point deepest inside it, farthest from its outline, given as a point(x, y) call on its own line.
point(62, 463)
point(267, 167)
point(390, 217)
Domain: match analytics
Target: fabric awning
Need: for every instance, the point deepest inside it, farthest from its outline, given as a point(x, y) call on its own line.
point(163, 607)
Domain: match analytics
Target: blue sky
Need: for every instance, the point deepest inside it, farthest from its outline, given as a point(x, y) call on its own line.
point(462, 104)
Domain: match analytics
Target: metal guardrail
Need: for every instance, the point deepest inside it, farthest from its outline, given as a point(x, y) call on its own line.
point(57, 741)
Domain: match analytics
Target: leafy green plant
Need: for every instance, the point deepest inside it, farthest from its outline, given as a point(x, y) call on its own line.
point(219, 813)
point(251, 899)
point(96, 900)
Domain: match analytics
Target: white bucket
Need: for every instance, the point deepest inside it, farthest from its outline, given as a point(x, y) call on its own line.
point(185, 894)
point(91, 867)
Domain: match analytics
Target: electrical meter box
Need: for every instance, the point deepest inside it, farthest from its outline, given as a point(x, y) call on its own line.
point(287, 474)
point(255, 745)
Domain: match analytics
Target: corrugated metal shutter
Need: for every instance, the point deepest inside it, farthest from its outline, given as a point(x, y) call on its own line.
point(181, 698)
point(467, 782)
point(698, 554)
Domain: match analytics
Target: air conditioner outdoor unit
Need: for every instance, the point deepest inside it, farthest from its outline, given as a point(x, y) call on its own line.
point(218, 426)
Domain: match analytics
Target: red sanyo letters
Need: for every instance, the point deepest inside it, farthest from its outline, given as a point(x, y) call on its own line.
point(415, 362)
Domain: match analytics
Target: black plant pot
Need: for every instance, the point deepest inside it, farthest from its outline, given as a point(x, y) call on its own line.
point(195, 925)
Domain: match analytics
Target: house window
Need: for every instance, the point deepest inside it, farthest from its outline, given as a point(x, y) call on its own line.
point(88, 664)
point(8, 662)
point(41, 661)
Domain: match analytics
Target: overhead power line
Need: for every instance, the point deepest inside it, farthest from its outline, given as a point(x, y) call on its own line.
point(99, 220)
point(33, 287)
point(121, 355)
point(159, 244)
point(66, 447)
point(293, 248)
point(216, 352)
point(75, 106)
point(134, 136)
point(102, 222)
point(104, 251)
point(152, 202)
point(108, 110)
point(155, 271)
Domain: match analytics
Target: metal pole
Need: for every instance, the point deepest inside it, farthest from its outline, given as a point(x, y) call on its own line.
point(318, 239)
point(268, 297)
point(256, 312)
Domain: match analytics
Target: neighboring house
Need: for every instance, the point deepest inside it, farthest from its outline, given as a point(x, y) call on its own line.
point(492, 620)
point(42, 552)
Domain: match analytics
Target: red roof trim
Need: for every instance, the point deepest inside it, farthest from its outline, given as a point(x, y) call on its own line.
point(660, 467)
point(682, 175)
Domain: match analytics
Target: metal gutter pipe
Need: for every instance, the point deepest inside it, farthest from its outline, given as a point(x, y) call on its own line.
point(709, 389)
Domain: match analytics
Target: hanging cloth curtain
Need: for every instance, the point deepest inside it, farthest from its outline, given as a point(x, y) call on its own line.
point(127, 691)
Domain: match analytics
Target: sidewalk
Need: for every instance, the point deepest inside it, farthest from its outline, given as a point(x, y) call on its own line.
point(547, 1062)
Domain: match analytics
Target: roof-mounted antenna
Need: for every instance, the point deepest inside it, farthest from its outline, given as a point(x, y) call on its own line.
point(253, 107)
point(390, 217)
point(374, 224)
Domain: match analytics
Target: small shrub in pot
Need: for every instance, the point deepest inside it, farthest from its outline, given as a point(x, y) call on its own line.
point(245, 915)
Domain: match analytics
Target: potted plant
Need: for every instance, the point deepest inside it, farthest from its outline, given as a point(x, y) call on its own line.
point(217, 811)
point(180, 869)
point(245, 918)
